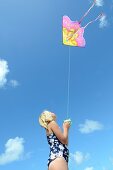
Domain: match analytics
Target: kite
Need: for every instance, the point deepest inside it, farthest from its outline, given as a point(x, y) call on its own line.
point(73, 33)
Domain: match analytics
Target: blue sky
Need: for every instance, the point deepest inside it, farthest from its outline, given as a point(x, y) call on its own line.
point(33, 77)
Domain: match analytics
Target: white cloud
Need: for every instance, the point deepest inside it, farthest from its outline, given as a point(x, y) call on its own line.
point(99, 2)
point(104, 168)
point(4, 70)
point(14, 83)
point(111, 160)
point(79, 157)
point(14, 150)
point(90, 126)
point(111, 7)
point(103, 21)
point(89, 168)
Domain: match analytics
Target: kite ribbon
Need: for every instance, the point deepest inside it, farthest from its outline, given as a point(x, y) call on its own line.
point(98, 17)
point(87, 12)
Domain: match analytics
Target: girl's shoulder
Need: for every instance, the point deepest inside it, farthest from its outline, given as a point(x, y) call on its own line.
point(49, 128)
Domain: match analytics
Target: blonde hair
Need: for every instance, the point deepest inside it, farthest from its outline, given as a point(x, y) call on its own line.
point(45, 118)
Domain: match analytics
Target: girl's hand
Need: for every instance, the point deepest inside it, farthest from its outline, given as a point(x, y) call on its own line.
point(66, 125)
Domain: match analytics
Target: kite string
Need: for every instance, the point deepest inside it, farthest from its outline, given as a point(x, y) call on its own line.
point(68, 85)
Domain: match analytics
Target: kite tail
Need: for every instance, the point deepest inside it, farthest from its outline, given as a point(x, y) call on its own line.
point(98, 17)
point(87, 11)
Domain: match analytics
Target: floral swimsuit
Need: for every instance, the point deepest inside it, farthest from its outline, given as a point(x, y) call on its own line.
point(57, 149)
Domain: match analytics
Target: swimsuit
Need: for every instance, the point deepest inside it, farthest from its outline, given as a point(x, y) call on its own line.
point(57, 149)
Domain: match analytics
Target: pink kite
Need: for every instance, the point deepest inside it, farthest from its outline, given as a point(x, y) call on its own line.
point(73, 32)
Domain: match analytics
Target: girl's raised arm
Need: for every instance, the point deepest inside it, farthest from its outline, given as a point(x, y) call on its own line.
point(62, 136)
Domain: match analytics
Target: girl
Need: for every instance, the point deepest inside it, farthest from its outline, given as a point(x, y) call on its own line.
point(57, 140)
